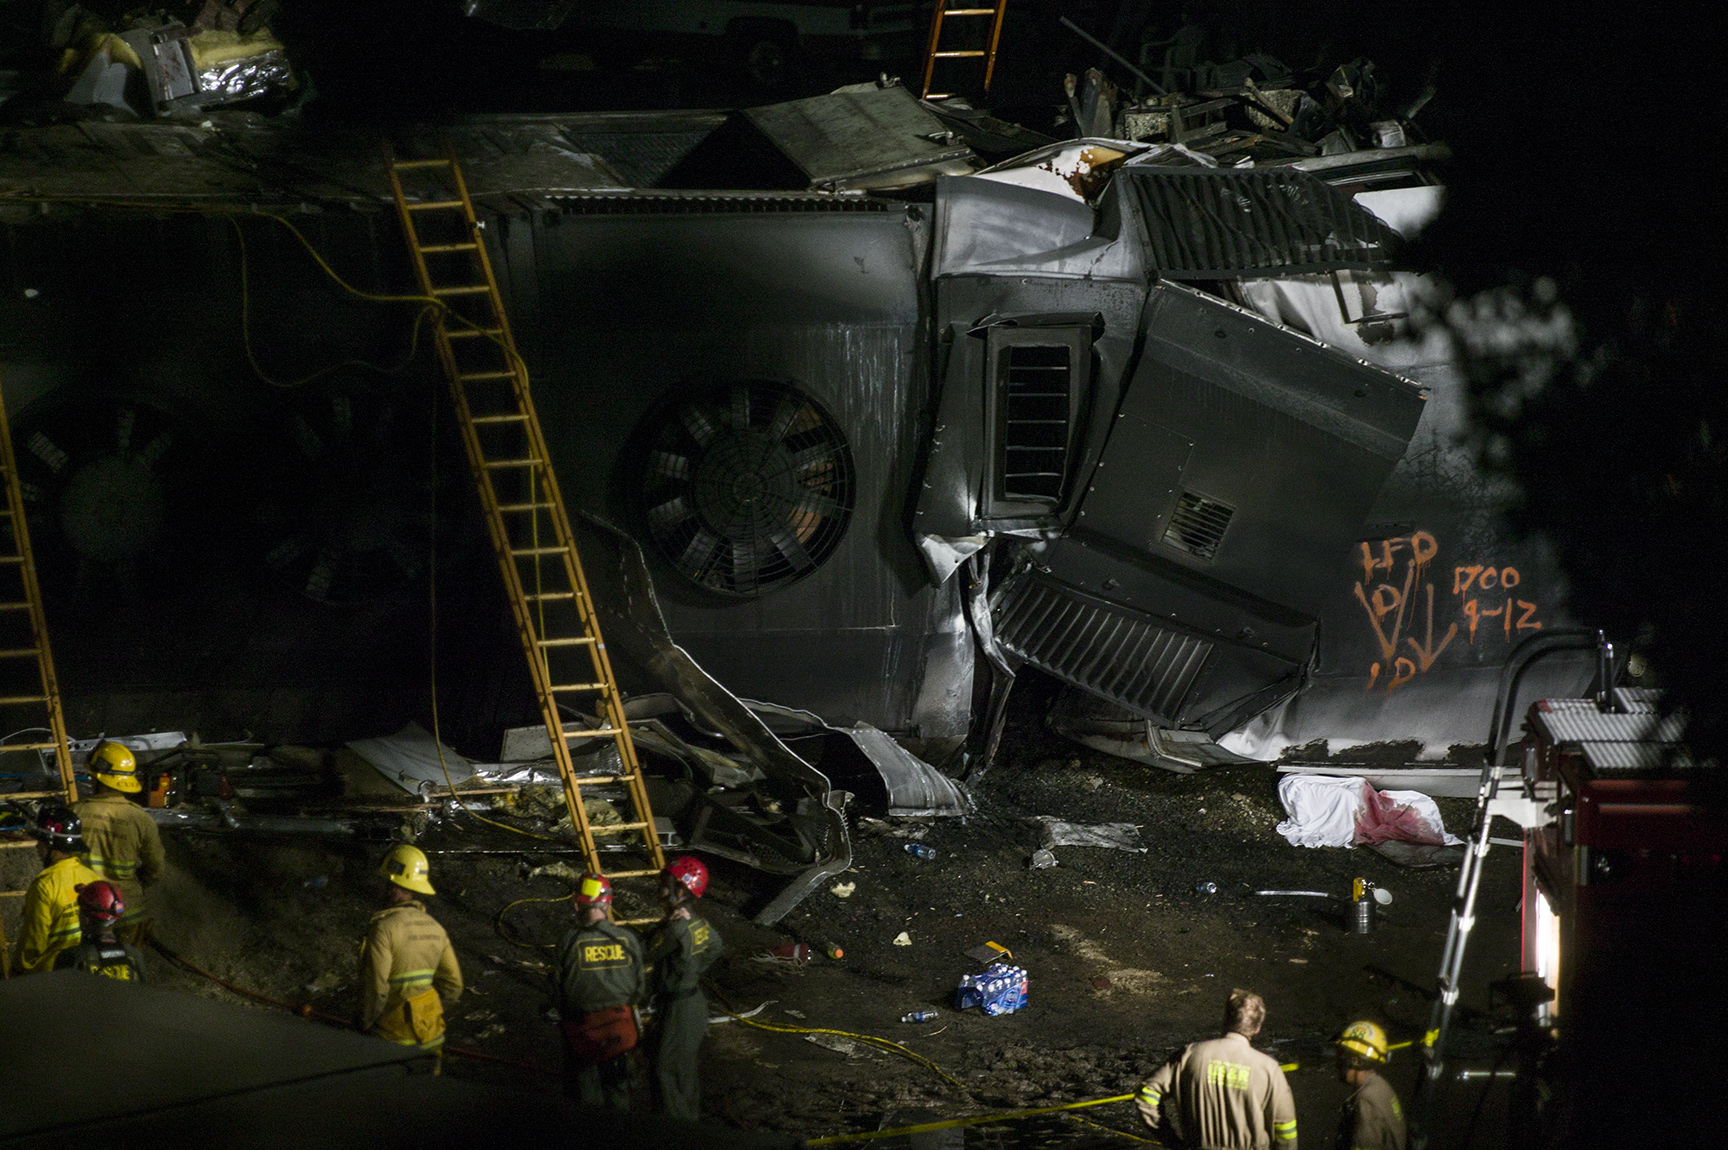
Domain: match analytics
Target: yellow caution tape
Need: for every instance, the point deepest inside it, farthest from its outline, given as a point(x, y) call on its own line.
point(952, 1123)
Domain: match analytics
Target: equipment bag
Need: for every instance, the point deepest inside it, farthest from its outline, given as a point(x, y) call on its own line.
point(602, 1035)
point(424, 1013)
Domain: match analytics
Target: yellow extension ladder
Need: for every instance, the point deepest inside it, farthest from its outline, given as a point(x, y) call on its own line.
point(934, 51)
point(28, 702)
point(524, 512)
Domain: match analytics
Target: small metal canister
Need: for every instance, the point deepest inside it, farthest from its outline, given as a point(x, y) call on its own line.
point(1362, 907)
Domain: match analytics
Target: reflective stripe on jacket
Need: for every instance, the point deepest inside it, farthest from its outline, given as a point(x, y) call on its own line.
point(1221, 1094)
point(123, 845)
point(407, 971)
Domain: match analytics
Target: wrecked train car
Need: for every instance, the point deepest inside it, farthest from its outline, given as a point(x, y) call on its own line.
point(1134, 420)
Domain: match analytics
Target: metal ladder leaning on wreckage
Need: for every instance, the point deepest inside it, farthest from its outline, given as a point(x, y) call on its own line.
point(525, 514)
point(1524, 811)
point(933, 52)
point(21, 597)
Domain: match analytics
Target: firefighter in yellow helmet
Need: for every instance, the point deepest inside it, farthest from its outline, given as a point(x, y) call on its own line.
point(408, 970)
point(1371, 1119)
point(121, 841)
point(50, 922)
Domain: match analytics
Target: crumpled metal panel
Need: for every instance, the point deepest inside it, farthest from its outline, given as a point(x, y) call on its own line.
point(915, 788)
point(638, 639)
point(1108, 650)
point(1218, 223)
point(1294, 437)
point(988, 227)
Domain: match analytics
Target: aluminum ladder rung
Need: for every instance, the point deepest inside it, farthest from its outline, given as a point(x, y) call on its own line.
point(527, 461)
point(467, 289)
point(597, 732)
point(540, 595)
point(405, 165)
point(473, 332)
point(6, 747)
point(438, 249)
point(18, 700)
point(933, 50)
point(519, 508)
point(433, 205)
point(60, 794)
point(577, 641)
point(620, 828)
point(516, 551)
point(20, 652)
point(14, 606)
point(577, 688)
point(633, 874)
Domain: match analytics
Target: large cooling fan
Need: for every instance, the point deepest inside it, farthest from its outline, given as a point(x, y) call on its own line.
point(747, 486)
point(110, 480)
point(345, 515)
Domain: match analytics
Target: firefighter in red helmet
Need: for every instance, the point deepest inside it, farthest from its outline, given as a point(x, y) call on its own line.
point(599, 985)
point(50, 915)
point(101, 908)
point(680, 952)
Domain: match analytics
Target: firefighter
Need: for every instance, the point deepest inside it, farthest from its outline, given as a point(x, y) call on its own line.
point(50, 915)
point(1221, 1093)
point(407, 967)
point(121, 841)
point(1371, 1119)
point(682, 949)
point(100, 907)
point(599, 985)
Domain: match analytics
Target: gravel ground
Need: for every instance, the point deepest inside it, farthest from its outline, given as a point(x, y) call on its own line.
point(1127, 960)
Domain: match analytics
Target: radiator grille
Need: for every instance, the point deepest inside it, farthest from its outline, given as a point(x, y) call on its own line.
point(1198, 525)
point(1036, 381)
point(1109, 651)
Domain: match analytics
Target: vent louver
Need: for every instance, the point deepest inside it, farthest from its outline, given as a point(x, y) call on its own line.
point(1036, 383)
point(1114, 653)
point(1198, 525)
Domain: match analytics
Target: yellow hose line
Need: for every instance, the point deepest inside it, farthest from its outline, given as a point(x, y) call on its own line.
point(1119, 1133)
point(976, 1120)
point(508, 933)
point(879, 1043)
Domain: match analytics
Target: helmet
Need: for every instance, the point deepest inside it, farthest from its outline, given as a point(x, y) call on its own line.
point(594, 890)
point(115, 766)
point(1364, 1039)
point(406, 867)
point(689, 872)
point(101, 901)
point(57, 826)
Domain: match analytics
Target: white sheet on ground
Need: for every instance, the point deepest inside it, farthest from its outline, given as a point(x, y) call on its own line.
point(1336, 812)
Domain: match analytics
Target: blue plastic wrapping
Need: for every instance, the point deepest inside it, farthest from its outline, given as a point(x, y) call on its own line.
point(999, 989)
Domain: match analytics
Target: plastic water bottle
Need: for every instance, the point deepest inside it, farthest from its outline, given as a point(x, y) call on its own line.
point(1206, 887)
point(919, 1016)
point(919, 850)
